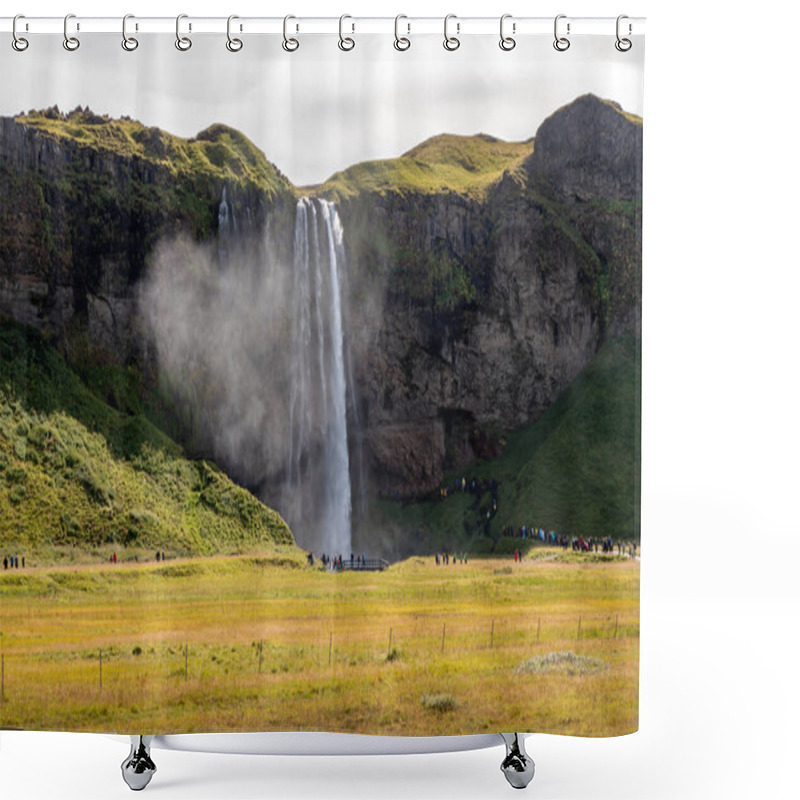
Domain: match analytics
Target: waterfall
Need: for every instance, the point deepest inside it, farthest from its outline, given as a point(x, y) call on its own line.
point(317, 489)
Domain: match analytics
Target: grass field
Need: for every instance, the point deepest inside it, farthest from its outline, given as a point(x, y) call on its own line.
point(266, 643)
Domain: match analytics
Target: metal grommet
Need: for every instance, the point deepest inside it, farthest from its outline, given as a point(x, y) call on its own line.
point(128, 42)
point(233, 44)
point(401, 43)
point(346, 43)
point(561, 43)
point(290, 44)
point(19, 43)
point(71, 43)
point(451, 42)
point(622, 44)
point(183, 43)
point(507, 42)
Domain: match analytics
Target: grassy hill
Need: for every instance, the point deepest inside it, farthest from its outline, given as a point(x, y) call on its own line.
point(218, 152)
point(576, 470)
point(442, 164)
point(79, 479)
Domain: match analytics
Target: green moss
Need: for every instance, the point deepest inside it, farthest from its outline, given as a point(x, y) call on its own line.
point(219, 151)
point(468, 165)
point(78, 472)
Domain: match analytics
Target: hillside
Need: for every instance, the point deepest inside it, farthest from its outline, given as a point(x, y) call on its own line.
point(217, 153)
point(444, 164)
point(576, 471)
point(80, 479)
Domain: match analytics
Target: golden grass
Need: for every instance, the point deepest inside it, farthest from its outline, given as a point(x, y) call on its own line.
point(272, 647)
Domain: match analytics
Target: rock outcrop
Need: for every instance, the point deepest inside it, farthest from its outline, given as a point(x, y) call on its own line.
point(471, 315)
point(80, 216)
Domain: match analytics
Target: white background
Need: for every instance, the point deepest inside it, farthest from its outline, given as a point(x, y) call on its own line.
point(720, 597)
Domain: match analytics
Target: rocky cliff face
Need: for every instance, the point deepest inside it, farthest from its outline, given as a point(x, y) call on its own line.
point(470, 316)
point(80, 217)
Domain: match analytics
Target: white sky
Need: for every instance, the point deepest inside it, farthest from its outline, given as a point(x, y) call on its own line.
point(319, 110)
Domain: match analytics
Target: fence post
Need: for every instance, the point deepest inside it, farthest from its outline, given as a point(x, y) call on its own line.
point(101, 669)
point(260, 655)
point(579, 626)
point(444, 628)
point(491, 638)
point(538, 628)
point(330, 648)
point(389, 651)
point(186, 663)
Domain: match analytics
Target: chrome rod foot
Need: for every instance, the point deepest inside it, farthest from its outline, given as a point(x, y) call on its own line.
point(138, 768)
point(517, 766)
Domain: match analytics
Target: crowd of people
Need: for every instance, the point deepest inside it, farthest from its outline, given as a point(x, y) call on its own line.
point(446, 558)
point(338, 563)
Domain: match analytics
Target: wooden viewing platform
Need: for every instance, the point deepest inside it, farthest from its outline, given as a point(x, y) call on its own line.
point(367, 565)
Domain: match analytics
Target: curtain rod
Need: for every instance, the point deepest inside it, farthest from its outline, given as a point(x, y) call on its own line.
point(408, 25)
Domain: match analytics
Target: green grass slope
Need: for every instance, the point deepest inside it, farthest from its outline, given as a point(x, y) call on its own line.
point(576, 470)
point(443, 164)
point(218, 152)
point(79, 478)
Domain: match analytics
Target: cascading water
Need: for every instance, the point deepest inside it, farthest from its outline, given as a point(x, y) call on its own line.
point(318, 491)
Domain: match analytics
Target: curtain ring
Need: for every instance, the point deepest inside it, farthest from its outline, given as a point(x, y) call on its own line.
point(128, 42)
point(561, 43)
point(346, 43)
point(451, 42)
point(233, 44)
point(290, 44)
point(623, 45)
point(507, 42)
point(19, 43)
point(183, 43)
point(401, 43)
point(71, 43)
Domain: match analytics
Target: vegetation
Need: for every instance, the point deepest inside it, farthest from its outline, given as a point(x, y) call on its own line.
point(244, 643)
point(218, 152)
point(444, 164)
point(80, 479)
point(575, 470)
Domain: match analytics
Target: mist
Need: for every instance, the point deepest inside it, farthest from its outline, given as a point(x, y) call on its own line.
point(219, 322)
point(249, 339)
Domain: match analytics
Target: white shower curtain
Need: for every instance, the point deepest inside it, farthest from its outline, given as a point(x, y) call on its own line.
point(320, 381)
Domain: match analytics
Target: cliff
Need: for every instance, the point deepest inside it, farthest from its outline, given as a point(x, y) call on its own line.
point(85, 199)
point(472, 309)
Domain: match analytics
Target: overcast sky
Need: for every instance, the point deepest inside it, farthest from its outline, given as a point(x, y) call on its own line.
point(319, 110)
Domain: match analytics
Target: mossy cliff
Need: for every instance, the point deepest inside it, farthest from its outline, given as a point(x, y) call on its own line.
point(484, 276)
point(86, 198)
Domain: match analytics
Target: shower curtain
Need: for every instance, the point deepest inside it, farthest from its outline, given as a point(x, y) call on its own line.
point(320, 380)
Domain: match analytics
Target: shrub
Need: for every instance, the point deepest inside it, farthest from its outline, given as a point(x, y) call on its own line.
point(567, 663)
point(439, 702)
